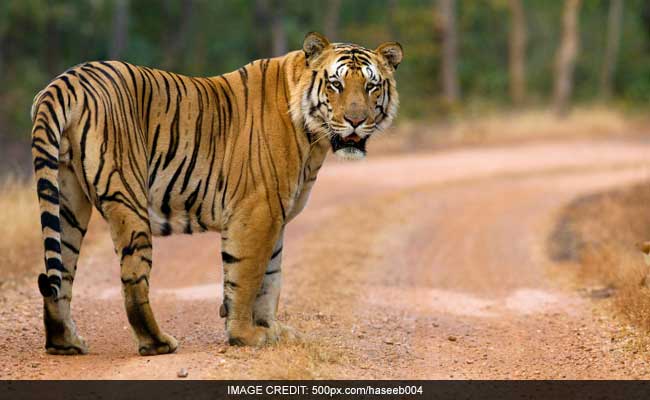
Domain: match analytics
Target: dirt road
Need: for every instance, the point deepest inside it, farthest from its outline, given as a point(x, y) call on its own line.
point(429, 266)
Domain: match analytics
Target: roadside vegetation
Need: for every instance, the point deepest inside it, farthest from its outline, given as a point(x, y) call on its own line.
point(603, 234)
point(19, 229)
point(499, 127)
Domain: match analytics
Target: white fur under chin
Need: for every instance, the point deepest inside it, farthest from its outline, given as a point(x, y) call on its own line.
point(350, 153)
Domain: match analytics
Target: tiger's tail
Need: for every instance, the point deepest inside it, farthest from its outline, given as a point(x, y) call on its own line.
point(49, 115)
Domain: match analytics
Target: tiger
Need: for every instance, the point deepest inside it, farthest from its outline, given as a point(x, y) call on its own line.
point(158, 153)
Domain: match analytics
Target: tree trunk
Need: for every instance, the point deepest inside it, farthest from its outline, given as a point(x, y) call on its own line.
point(178, 39)
point(52, 54)
point(450, 87)
point(262, 22)
point(566, 57)
point(270, 34)
point(393, 23)
point(645, 23)
point(332, 20)
point(517, 54)
point(611, 51)
point(52, 40)
point(2, 55)
point(120, 29)
point(279, 41)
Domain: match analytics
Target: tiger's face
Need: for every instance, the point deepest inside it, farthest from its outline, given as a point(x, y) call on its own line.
point(348, 93)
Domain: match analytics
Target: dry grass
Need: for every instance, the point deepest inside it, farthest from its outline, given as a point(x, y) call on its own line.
point(307, 360)
point(601, 232)
point(19, 228)
point(507, 127)
point(540, 123)
point(311, 359)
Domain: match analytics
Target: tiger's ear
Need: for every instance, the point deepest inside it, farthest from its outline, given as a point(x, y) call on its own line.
point(314, 44)
point(392, 52)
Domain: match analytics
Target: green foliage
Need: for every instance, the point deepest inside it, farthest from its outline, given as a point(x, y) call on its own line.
point(41, 38)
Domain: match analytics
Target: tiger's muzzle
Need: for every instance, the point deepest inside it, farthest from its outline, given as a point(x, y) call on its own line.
point(351, 146)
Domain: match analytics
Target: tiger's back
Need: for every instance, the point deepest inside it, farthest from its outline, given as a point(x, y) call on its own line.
point(179, 137)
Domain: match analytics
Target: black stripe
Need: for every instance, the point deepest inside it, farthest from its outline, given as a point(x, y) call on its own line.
point(198, 218)
point(262, 322)
point(189, 203)
point(154, 144)
point(41, 146)
point(164, 207)
point(152, 177)
point(44, 286)
point(49, 220)
point(71, 219)
point(59, 95)
point(55, 263)
point(197, 139)
point(136, 281)
point(54, 280)
point(231, 284)
point(69, 86)
point(173, 134)
point(130, 250)
point(229, 258)
point(166, 229)
point(188, 227)
point(225, 306)
point(276, 253)
point(52, 244)
point(53, 114)
point(84, 137)
point(47, 191)
point(70, 247)
point(40, 163)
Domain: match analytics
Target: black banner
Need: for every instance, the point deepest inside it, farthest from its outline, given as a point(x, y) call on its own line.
point(199, 390)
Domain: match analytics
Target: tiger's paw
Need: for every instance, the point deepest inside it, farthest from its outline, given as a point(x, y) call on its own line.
point(285, 333)
point(263, 334)
point(69, 345)
point(166, 344)
point(256, 336)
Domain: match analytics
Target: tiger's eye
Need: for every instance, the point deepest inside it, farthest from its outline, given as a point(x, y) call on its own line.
point(336, 85)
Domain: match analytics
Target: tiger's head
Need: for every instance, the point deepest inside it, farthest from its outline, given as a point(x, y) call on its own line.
point(347, 92)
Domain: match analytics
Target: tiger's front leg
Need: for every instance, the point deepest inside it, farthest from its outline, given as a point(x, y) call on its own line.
point(247, 246)
point(266, 301)
point(265, 309)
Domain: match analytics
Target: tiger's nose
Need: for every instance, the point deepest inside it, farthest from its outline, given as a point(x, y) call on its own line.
point(355, 120)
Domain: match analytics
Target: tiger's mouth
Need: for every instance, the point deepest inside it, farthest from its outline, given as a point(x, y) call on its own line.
point(351, 147)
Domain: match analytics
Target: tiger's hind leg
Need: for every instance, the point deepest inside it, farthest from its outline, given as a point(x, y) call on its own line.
point(131, 235)
point(60, 330)
point(266, 303)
